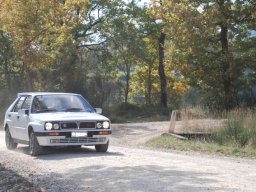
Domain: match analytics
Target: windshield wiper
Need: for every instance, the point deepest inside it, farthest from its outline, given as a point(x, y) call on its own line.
point(73, 110)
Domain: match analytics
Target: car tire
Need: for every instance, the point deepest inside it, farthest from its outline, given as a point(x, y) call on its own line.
point(102, 147)
point(9, 142)
point(34, 147)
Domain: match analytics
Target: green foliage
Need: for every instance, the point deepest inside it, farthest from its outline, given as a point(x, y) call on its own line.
point(145, 76)
point(109, 50)
point(10, 68)
point(37, 30)
point(127, 107)
point(207, 49)
point(125, 113)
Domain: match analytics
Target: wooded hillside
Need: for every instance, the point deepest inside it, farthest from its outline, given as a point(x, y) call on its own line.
point(167, 53)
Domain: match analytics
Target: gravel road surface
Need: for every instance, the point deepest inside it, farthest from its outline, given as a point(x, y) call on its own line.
point(129, 167)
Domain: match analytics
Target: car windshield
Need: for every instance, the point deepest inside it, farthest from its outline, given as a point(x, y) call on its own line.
point(60, 103)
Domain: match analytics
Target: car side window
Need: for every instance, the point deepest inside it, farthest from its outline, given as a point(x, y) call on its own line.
point(18, 105)
point(26, 103)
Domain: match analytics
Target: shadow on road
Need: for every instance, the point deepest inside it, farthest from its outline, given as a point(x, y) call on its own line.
point(59, 153)
point(152, 178)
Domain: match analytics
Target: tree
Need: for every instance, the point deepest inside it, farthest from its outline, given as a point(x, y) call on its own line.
point(9, 64)
point(161, 52)
point(206, 47)
point(37, 29)
point(124, 39)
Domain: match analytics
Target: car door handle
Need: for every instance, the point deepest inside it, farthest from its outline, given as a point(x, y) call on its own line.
point(18, 117)
point(9, 115)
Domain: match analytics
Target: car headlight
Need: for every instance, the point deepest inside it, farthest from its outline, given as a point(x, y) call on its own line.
point(105, 124)
point(98, 125)
point(56, 126)
point(48, 126)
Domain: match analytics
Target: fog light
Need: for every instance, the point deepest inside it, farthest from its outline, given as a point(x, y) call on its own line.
point(54, 134)
point(103, 132)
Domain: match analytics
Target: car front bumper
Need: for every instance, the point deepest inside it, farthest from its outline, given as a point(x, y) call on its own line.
point(56, 138)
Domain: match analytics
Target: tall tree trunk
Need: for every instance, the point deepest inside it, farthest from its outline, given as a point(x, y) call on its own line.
point(26, 75)
point(7, 74)
point(163, 99)
point(229, 97)
point(29, 80)
point(127, 82)
point(149, 85)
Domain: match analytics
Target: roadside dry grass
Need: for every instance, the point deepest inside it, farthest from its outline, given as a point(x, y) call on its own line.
point(233, 135)
point(239, 129)
point(198, 119)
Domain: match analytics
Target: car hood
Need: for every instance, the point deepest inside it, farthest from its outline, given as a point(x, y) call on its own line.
point(68, 116)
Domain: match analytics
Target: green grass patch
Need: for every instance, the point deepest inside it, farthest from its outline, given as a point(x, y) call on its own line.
point(168, 142)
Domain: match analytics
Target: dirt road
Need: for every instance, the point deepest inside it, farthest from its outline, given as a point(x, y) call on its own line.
point(127, 167)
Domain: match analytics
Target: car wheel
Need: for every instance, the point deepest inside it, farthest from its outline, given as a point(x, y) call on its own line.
point(34, 147)
point(102, 147)
point(9, 142)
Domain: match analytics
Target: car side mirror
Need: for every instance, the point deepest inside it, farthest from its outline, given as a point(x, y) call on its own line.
point(23, 111)
point(98, 110)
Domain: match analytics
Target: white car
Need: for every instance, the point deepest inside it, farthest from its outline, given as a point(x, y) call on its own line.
point(55, 119)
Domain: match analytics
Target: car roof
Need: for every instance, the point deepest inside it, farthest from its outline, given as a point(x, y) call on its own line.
point(44, 93)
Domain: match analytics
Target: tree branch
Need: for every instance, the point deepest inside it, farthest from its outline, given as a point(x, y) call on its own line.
point(90, 45)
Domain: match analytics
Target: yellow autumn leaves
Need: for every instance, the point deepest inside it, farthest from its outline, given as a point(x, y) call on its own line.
point(37, 28)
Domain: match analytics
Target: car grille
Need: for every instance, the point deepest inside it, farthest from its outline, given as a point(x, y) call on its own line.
point(86, 125)
point(78, 140)
point(76, 125)
point(69, 125)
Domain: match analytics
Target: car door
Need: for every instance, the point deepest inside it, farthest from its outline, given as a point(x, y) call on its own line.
point(9, 118)
point(23, 119)
point(13, 117)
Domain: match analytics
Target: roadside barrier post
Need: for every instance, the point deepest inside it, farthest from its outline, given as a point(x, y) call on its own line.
point(173, 121)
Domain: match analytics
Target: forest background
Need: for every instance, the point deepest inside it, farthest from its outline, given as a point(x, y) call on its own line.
point(158, 55)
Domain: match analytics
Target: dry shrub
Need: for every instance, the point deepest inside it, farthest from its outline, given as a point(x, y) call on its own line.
point(239, 129)
point(198, 119)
